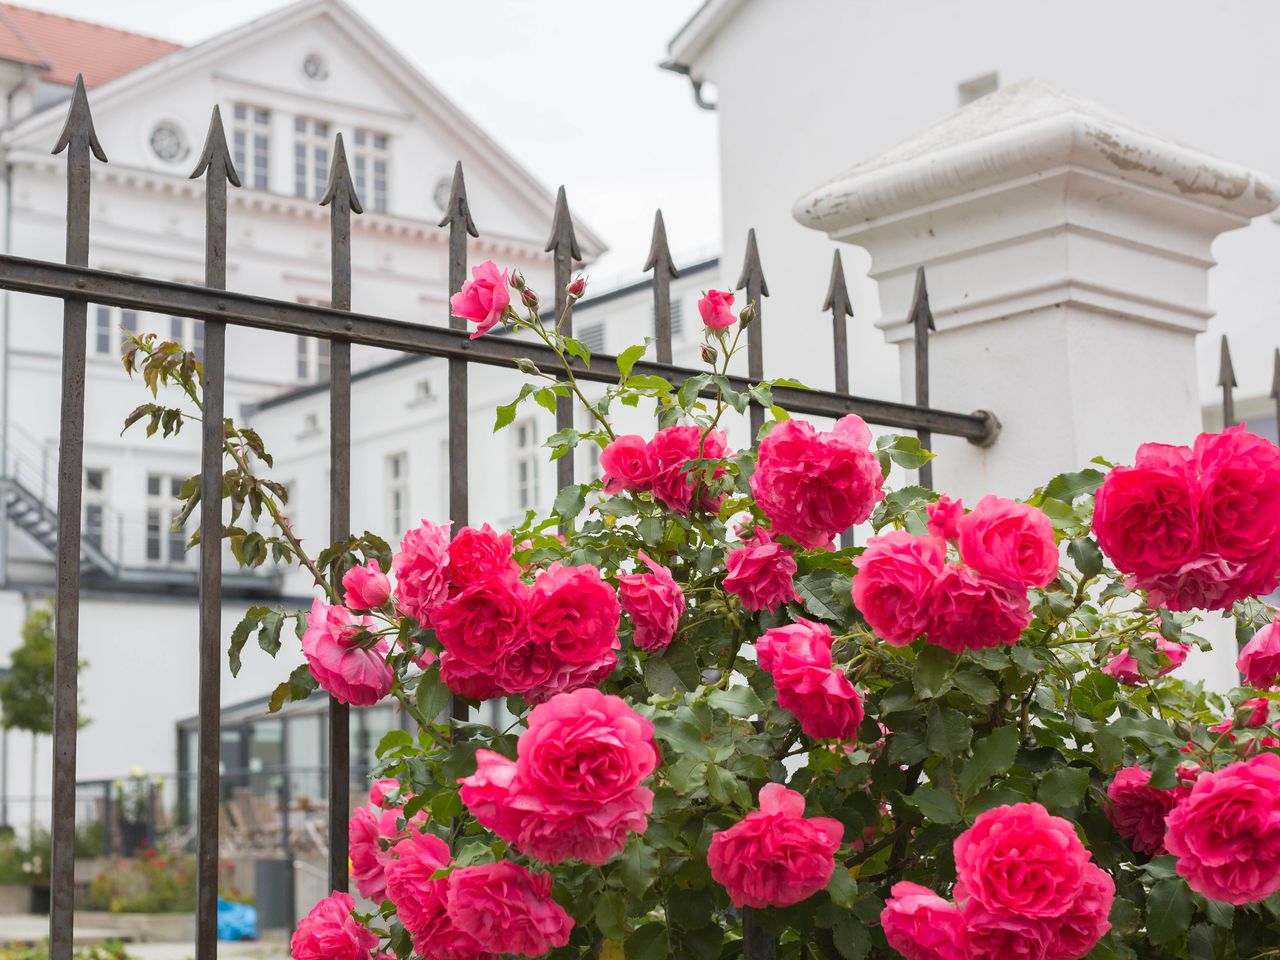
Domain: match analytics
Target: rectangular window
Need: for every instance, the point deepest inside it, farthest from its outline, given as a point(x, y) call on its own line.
point(677, 319)
point(95, 505)
point(369, 157)
point(109, 329)
point(165, 545)
point(311, 358)
point(310, 157)
point(397, 493)
point(592, 337)
point(526, 464)
point(189, 333)
point(251, 144)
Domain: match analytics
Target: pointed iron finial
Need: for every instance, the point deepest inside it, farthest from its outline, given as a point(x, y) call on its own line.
point(216, 157)
point(920, 310)
point(659, 254)
point(458, 209)
point(79, 120)
point(751, 268)
point(562, 236)
point(340, 178)
point(837, 293)
point(1226, 372)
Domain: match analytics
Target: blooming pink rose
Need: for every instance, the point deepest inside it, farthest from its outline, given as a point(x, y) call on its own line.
point(774, 857)
point(673, 479)
point(654, 602)
point(891, 589)
point(1009, 542)
point(1240, 502)
point(366, 588)
point(471, 681)
point(760, 572)
point(625, 464)
point(507, 909)
point(1075, 933)
point(1124, 665)
point(483, 299)
point(1207, 583)
point(798, 656)
point(480, 554)
point(565, 677)
point(994, 935)
point(1137, 809)
point(526, 666)
point(370, 833)
point(574, 612)
point(1019, 859)
point(382, 790)
point(330, 932)
point(341, 665)
point(1226, 832)
point(716, 309)
point(1146, 517)
point(479, 625)
point(920, 925)
point(816, 484)
point(944, 517)
point(1259, 661)
point(970, 612)
point(422, 903)
point(584, 749)
point(419, 569)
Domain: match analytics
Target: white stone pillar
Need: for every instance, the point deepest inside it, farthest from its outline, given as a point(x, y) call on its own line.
point(1067, 254)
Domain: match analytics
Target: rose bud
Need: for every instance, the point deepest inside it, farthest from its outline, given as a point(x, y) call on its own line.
point(529, 298)
point(578, 287)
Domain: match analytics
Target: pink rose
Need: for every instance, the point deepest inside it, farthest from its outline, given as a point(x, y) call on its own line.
point(330, 932)
point(483, 299)
point(1226, 832)
point(716, 309)
point(366, 588)
point(625, 464)
point(1209, 582)
point(584, 749)
point(422, 903)
point(798, 656)
point(654, 602)
point(1019, 859)
point(992, 935)
point(1124, 666)
point(1259, 711)
point(1137, 809)
point(566, 677)
point(970, 612)
point(342, 665)
point(371, 831)
point(527, 666)
point(891, 589)
point(382, 790)
point(1009, 542)
point(485, 621)
point(473, 682)
point(1075, 933)
point(1259, 661)
point(1240, 502)
point(419, 569)
point(775, 857)
point(674, 479)
point(920, 925)
point(816, 484)
point(574, 612)
point(944, 517)
point(760, 572)
point(1146, 517)
point(480, 554)
point(507, 909)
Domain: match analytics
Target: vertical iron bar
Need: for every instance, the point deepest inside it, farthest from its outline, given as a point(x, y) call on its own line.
point(215, 160)
point(753, 281)
point(1227, 381)
point(664, 271)
point(841, 309)
point(921, 320)
point(458, 219)
point(563, 247)
point(1275, 391)
point(78, 135)
point(342, 200)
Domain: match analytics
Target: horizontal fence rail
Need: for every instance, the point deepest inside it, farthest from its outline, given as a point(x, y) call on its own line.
point(77, 285)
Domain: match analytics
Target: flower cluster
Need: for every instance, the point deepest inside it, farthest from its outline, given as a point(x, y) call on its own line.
point(574, 792)
point(331, 932)
point(905, 585)
point(798, 657)
point(1195, 527)
point(1124, 666)
point(666, 466)
point(373, 831)
point(1259, 660)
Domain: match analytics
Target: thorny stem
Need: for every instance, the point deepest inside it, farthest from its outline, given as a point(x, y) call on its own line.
point(572, 382)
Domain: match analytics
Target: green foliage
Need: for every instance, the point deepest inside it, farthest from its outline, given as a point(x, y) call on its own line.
point(111, 950)
point(26, 695)
point(152, 882)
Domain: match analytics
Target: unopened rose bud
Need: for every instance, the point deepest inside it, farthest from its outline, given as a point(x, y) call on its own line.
point(748, 314)
point(578, 287)
point(529, 298)
point(525, 365)
point(708, 353)
point(517, 279)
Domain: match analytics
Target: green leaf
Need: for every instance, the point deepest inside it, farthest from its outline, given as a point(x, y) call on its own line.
point(949, 731)
point(992, 755)
point(445, 806)
point(841, 887)
point(929, 677)
point(638, 868)
point(689, 390)
point(570, 500)
point(1063, 787)
point(737, 701)
point(432, 695)
point(1086, 555)
point(826, 594)
point(1202, 942)
point(628, 357)
point(611, 915)
point(506, 415)
point(937, 805)
point(1169, 910)
point(905, 451)
point(682, 735)
point(976, 685)
point(1067, 486)
point(649, 943)
point(269, 635)
point(394, 740)
point(661, 678)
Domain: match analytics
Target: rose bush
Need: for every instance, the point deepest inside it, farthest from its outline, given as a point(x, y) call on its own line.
point(970, 737)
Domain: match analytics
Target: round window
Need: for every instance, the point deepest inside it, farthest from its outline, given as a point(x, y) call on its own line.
point(444, 187)
point(314, 67)
point(168, 142)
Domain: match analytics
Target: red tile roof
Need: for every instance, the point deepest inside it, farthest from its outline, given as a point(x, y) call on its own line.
point(64, 47)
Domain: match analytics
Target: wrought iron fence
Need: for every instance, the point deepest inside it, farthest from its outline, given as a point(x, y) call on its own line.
point(77, 285)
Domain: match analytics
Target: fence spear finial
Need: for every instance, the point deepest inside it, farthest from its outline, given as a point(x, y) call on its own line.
point(1227, 381)
point(752, 270)
point(563, 247)
point(921, 320)
point(340, 179)
point(664, 269)
point(659, 253)
point(753, 281)
point(921, 313)
point(216, 156)
point(562, 236)
point(458, 208)
point(79, 123)
point(838, 303)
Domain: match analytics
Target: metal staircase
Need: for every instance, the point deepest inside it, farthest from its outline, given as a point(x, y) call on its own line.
point(29, 512)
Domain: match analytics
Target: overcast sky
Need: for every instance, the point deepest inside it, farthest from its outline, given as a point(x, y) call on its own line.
point(571, 89)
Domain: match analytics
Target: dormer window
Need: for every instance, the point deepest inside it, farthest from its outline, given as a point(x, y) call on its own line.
point(251, 144)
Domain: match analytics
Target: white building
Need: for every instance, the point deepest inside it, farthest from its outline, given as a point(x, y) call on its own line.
point(286, 84)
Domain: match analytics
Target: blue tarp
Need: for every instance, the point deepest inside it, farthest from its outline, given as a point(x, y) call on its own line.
point(237, 921)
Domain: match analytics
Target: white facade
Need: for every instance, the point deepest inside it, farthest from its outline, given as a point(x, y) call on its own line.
point(285, 85)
